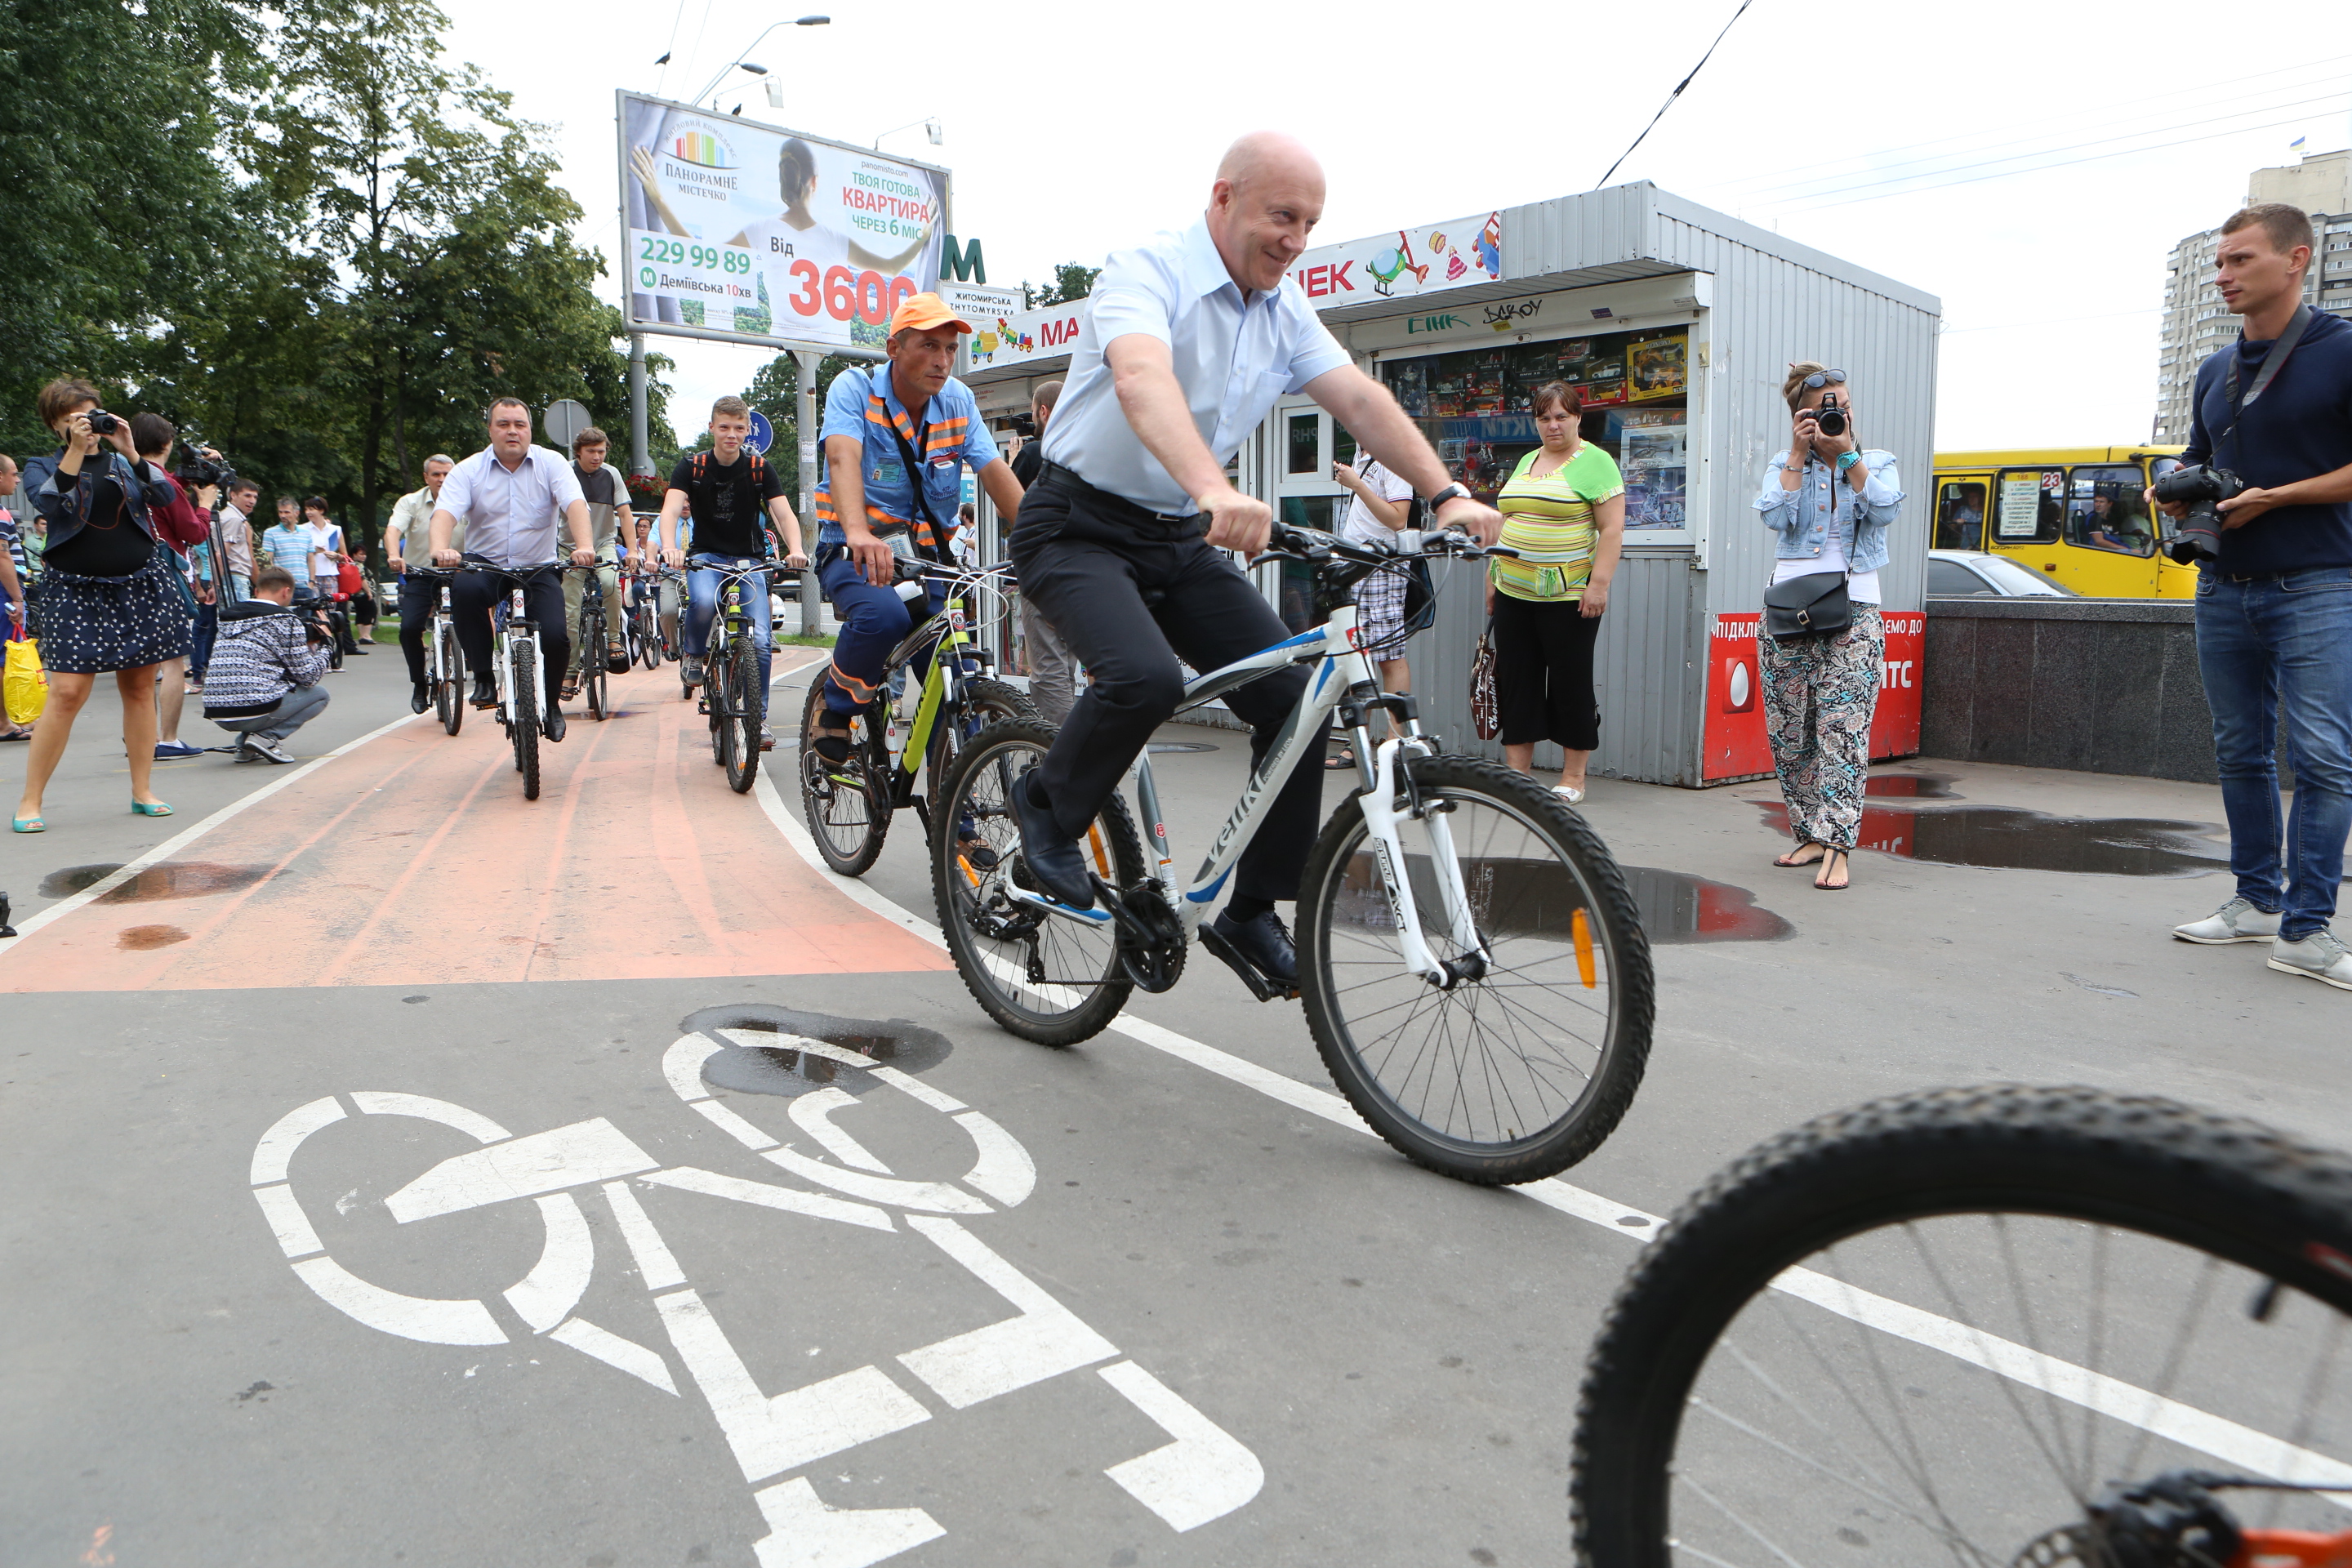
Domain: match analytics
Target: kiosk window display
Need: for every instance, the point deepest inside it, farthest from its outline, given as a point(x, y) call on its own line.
point(1478, 408)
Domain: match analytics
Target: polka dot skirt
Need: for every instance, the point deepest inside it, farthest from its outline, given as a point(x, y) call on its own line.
point(93, 625)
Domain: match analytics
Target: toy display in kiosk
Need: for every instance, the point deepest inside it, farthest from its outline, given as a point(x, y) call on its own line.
point(1477, 407)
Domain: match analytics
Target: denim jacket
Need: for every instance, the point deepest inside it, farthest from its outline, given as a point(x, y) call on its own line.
point(65, 502)
point(1802, 517)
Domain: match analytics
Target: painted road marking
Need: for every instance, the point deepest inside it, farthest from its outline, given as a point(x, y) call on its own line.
point(1202, 1475)
point(2182, 1424)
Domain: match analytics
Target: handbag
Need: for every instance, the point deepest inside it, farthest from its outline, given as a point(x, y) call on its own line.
point(1485, 713)
point(25, 688)
point(1813, 604)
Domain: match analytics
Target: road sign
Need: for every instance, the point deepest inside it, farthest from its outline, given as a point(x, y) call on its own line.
point(563, 420)
point(763, 433)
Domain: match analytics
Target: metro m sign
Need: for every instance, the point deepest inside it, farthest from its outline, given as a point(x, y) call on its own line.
point(1324, 278)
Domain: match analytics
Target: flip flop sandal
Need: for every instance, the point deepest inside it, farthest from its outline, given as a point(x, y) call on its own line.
point(1345, 757)
point(1788, 861)
point(1821, 886)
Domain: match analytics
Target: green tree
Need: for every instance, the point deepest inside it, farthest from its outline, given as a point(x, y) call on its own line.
point(775, 392)
point(1072, 282)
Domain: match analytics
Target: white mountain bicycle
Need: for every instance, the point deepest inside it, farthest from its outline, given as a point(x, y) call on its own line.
point(1475, 973)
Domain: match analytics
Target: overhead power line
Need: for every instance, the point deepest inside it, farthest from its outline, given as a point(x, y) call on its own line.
point(1676, 94)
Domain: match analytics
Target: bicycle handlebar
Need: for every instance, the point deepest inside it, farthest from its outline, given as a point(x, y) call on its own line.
point(1289, 542)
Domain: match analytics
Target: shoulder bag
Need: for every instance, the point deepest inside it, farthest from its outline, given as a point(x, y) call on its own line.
point(1814, 604)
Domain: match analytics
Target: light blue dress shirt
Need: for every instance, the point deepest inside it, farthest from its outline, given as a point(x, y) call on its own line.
point(1234, 354)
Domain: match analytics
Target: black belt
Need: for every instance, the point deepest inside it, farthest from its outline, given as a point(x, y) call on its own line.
point(1117, 503)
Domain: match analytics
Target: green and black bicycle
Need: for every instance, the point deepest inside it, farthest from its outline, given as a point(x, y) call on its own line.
point(947, 690)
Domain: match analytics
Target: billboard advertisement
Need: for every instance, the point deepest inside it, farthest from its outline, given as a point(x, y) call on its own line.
point(1404, 263)
point(741, 230)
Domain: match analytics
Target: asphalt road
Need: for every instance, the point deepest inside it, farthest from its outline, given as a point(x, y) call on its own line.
point(371, 1201)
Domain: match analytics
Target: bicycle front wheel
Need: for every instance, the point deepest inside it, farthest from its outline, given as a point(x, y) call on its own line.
point(448, 685)
point(984, 702)
point(1521, 1060)
point(1955, 1327)
point(848, 812)
point(591, 654)
point(522, 694)
point(1044, 977)
point(747, 708)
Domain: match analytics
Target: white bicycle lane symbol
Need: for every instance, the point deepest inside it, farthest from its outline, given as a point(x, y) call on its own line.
point(1202, 1474)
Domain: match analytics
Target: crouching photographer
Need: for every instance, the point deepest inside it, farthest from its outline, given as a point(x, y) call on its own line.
point(264, 682)
point(2263, 502)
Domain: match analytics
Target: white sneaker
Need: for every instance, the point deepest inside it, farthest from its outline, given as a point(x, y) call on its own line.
point(2319, 956)
point(256, 747)
point(2236, 921)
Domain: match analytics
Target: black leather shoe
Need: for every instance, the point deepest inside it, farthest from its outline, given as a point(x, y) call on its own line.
point(551, 724)
point(1053, 856)
point(420, 697)
point(485, 694)
point(1266, 942)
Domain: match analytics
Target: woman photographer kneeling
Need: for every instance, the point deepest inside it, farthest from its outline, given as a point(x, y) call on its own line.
point(109, 600)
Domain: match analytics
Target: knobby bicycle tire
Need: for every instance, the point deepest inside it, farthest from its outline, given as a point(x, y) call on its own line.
point(820, 782)
point(1613, 921)
point(449, 687)
point(984, 702)
point(747, 710)
point(951, 891)
point(523, 692)
point(591, 656)
point(2228, 1188)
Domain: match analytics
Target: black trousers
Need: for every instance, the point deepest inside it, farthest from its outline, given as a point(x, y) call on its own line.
point(420, 600)
point(1543, 673)
point(1131, 593)
point(473, 593)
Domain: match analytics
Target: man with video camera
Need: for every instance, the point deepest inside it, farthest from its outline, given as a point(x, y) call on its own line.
point(2270, 525)
point(264, 684)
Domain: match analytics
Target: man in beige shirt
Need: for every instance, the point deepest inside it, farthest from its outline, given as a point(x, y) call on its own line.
point(412, 519)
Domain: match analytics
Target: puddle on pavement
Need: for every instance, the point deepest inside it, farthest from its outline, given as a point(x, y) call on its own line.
point(146, 938)
point(2009, 840)
point(1913, 787)
point(783, 1071)
point(165, 880)
point(1539, 898)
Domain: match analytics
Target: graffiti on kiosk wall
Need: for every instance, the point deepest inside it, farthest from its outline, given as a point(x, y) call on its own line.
point(1735, 743)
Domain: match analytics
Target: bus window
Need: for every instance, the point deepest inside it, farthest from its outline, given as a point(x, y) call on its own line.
point(2104, 511)
point(1959, 517)
point(2030, 507)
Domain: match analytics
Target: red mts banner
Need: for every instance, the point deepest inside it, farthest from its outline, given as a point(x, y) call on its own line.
point(1735, 743)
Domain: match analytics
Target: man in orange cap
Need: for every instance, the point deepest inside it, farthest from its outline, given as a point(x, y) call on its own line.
point(895, 439)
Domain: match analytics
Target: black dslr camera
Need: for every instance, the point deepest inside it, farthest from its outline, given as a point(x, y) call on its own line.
point(1828, 418)
point(101, 423)
point(198, 465)
point(2198, 536)
point(1025, 426)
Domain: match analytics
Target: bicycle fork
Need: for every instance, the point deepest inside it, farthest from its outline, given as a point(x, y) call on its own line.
point(1379, 806)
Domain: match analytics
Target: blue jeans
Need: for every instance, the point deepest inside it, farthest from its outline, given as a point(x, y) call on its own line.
point(874, 620)
point(704, 574)
point(2262, 645)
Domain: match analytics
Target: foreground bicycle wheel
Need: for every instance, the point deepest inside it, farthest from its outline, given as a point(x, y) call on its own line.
point(1521, 1068)
point(847, 814)
point(522, 687)
point(747, 709)
point(1044, 977)
point(448, 685)
point(1965, 1327)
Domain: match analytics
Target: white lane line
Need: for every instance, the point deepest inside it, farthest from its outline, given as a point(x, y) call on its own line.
point(2183, 1424)
point(1204, 1474)
point(179, 841)
point(1045, 1341)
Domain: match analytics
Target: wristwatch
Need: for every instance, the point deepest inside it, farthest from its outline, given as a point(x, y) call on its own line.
point(1847, 460)
point(1457, 490)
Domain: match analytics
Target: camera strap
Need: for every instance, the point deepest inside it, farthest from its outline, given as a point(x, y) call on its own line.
point(2281, 351)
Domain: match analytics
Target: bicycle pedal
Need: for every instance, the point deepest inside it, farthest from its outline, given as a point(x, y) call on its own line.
point(1263, 989)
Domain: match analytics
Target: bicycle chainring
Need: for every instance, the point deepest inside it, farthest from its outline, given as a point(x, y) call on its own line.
point(1155, 962)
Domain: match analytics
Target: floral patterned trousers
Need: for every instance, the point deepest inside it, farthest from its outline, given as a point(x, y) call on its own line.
point(1820, 692)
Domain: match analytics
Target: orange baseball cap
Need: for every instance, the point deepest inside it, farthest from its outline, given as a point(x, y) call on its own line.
point(924, 311)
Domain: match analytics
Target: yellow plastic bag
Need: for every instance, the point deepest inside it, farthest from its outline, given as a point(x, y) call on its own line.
point(25, 687)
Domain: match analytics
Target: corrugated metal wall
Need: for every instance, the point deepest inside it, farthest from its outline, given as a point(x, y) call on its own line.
point(1773, 301)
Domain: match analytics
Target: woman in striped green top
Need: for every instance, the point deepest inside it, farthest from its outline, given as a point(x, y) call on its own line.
point(1564, 512)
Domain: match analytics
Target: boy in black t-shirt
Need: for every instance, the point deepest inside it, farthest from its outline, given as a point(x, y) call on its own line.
point(734, 495)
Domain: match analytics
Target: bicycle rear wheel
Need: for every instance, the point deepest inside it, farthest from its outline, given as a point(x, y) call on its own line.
point(1520, 1067)
point(522, 693)
point(849, 812)
point(1046, 978)
point(747, 708)
point(1940, 1327)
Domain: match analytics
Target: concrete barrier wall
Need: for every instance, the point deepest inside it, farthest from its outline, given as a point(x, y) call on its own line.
point(2102, 686)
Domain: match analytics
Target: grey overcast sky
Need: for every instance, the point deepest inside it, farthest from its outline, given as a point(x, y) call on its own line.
point(2032, 162)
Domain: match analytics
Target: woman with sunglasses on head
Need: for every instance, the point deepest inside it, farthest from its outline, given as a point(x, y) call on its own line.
point(1830, 499)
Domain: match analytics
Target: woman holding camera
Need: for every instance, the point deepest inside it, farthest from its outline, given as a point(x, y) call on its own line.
point(109, 602)
point(1830, 501)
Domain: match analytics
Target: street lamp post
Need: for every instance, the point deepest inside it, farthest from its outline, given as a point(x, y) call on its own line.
point(712, 86)
point(929, 124)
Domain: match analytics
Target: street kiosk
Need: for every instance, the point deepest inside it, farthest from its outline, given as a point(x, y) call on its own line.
point(1677, 323)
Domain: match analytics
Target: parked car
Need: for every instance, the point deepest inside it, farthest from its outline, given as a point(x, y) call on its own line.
point(1958, 573)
